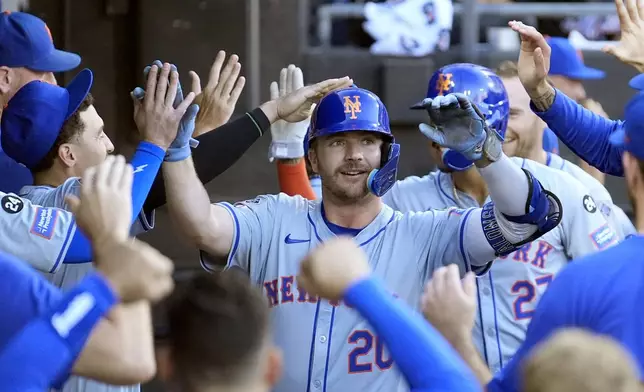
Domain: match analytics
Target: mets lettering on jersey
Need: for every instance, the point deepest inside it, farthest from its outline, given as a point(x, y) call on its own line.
point(44, 222)
point(352, 106)
point(328, 346)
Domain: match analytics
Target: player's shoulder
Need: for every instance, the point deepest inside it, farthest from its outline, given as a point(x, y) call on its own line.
point(417, 183)
point(548, 176)
point(596, 188)
point(51, 196)
point(278, 202)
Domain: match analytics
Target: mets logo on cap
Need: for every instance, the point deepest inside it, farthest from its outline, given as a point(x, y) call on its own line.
point(352, 106)
point(444, 83)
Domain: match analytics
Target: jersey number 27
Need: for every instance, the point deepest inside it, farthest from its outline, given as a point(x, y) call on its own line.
point(365, 343)
point(528, 293)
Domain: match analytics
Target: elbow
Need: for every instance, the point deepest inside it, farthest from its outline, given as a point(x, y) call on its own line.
point(136, 372)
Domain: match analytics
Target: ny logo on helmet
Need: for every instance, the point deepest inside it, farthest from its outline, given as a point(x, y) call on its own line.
point(444, 83)
point(352, 107)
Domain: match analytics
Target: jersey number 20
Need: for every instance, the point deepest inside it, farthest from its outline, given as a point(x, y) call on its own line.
point(365, 342)
point(528, 291)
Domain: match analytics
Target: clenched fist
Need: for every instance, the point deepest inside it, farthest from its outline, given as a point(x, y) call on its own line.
point(332, 268)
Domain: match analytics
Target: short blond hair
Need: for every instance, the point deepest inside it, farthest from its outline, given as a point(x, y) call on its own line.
point(507, 69)
point(577, 360)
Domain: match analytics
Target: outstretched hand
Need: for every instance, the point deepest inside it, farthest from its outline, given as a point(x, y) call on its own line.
point(534, 57)
point(629, 49)
point(298, 105)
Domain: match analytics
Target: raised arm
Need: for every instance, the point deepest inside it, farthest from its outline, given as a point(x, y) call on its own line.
point(583, 131)
point(521, 210)
point(210, 227)
point(217, 102)
point(288, 140)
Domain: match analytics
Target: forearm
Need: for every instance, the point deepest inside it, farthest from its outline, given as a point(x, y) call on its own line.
point(422, 355)
point(499, 176)
point(465, 348)
point(188, 201)
point(43, 352)
point(146, 162)
point(293, 178)
point(121, 351)
point(218, 150)
point(584, 132)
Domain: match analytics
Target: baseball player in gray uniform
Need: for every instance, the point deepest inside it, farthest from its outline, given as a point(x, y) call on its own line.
point(524, 139)
point(327, 346)
point(509, 292)
point(57, 133)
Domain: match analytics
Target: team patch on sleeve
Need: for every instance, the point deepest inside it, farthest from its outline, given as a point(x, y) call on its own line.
point(603, 237)
point(44, 223)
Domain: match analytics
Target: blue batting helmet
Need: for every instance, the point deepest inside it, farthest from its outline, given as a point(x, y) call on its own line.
point(355, 109)
point(484, 88)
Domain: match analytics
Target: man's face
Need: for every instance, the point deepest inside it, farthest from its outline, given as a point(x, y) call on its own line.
point(572, 88)
point(525, 129)
point(92, 146)
point(344, 162)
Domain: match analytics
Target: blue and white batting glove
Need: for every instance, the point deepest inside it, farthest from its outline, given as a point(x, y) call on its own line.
point(180, 148)
point(456, 124)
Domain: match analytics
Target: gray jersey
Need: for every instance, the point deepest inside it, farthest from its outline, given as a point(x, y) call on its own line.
point(69, 274)
point(615, 216)
point(508, 294)
point(328, 346)
point(38, 235)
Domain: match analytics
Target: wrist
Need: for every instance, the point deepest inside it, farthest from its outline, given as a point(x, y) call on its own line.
point(270, 110)
point(161, 144)
point(542, 96)
point(289, 161)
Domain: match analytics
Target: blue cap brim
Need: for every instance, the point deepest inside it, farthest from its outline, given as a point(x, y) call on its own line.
point(57, 61)
point(78, 89)
point(637, 82)
point(617, 138)
point(585, 73)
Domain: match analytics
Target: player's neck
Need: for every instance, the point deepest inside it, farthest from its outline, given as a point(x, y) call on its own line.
point(639, 216)
point(52, 177)
point(471, 183)
point(538, 155)
point(353, 215)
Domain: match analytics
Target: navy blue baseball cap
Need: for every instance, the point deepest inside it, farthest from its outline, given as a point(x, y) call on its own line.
point(631, 135)
point(34, 117)
point(25, 41)
point(566, 61)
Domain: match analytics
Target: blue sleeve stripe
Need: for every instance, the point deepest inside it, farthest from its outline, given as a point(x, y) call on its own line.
point(232, 212)
point(461, 238)
point(65, 247)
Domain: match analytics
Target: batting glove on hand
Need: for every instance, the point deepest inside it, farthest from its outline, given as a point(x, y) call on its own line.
point(287, 138)
point(180, 148)
point(456, 124)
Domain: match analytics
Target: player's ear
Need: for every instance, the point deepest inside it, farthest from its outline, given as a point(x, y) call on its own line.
point(67, 155)
point(5, 79)
point(313, 160)
point(274, 366)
